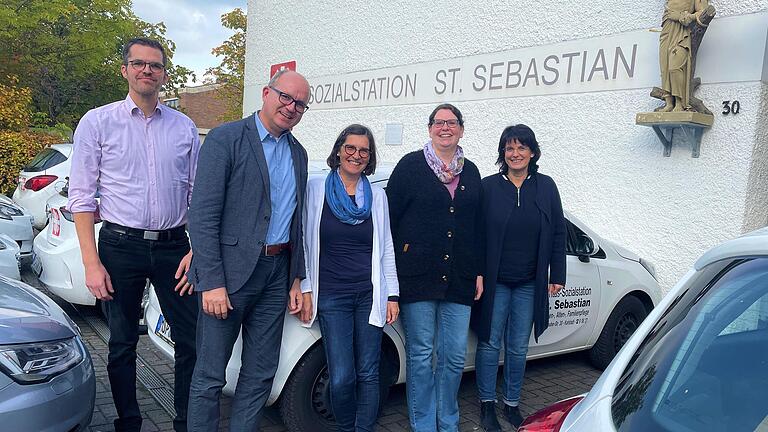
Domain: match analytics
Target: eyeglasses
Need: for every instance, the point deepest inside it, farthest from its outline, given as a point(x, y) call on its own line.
point(350, 150)
point(139, 65)
point(520, 149)
point(287, 99)
point(440, 123)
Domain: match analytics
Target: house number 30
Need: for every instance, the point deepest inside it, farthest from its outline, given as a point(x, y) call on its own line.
point(731, 107)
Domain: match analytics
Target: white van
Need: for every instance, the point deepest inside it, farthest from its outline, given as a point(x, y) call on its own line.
point(608, 294)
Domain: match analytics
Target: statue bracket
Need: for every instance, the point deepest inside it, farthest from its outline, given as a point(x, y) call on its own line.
point(690, 124)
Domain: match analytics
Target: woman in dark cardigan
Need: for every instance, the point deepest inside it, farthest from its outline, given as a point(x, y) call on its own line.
point(525, 263)
point(434, 200)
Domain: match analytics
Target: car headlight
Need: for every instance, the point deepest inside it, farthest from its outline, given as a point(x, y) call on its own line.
point(40, 361)
point(3, 246)
point(650, 267)
point(8, 211)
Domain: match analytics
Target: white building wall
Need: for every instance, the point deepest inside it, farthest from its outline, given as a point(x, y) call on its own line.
point(610, 172)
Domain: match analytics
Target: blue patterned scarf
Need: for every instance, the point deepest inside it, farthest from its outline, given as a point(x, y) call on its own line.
point(346, 211)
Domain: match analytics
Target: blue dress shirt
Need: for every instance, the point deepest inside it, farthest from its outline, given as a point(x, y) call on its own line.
point(282, 183)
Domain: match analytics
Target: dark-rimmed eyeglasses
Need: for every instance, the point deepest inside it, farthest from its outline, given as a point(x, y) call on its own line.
point(350, 150)
point(450, 123)
point(139, 65)
point(287, 99)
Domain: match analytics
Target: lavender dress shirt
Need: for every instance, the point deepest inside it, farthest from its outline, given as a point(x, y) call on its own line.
point(143, 168)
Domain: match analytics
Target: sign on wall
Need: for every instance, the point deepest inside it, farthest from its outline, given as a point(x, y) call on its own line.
point(290, 65)
point(734, 51)
point(575, 66)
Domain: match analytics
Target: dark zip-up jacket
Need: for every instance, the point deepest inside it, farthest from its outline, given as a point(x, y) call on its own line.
point(550, 265)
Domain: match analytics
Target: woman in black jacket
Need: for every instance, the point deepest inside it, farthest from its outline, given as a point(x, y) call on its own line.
point(524, 264)
point(434, 201)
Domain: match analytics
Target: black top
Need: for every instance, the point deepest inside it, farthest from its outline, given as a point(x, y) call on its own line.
point(345, 254)
point(550, 265)
point(520, 249)
point(436, 238)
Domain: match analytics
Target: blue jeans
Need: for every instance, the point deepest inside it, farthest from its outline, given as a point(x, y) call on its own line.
point(434, 330)
point(259, 308)
point(353, 348)
point(513, 315)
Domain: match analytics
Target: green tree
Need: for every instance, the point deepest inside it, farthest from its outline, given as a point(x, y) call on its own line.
point(68, 52)
point(18, 144)
point(230, 73)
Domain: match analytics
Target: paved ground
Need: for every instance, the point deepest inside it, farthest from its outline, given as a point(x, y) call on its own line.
point(546, 381)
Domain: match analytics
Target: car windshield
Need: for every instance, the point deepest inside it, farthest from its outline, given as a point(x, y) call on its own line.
point(704, 365)
point(44, 160)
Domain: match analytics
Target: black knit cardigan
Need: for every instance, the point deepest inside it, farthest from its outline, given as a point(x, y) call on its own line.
point(436, 238)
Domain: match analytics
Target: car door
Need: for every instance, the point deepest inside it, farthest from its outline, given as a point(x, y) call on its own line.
point(573, 311)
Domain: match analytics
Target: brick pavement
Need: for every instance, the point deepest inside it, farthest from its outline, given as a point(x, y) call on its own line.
point(546, 381)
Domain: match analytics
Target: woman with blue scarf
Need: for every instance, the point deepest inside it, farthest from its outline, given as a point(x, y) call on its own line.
point(351, 275)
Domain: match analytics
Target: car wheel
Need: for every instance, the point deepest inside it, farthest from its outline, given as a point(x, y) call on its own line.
point(305, 403)
point(622, 323)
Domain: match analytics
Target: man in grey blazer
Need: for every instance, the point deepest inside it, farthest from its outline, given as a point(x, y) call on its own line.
point(246, 233)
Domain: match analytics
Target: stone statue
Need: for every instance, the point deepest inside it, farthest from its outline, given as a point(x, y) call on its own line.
point(683, 27)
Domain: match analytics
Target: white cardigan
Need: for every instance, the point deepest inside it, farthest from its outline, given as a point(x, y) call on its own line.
point(383, 272)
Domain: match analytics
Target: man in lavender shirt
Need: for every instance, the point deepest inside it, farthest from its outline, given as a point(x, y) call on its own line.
point(140, 156)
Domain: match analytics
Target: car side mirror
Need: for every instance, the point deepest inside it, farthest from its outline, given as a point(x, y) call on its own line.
point(585, 247)
point(60, 185)
point(64, 189)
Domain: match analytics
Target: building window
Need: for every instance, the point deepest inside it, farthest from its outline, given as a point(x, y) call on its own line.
point(173, 103)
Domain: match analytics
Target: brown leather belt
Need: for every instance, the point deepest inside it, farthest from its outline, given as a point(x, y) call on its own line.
point(275, 249)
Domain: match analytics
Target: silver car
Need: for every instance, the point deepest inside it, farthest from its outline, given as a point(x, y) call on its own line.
point(47, 381)
point(698, 363)
point(9, 257)
point(17, 225)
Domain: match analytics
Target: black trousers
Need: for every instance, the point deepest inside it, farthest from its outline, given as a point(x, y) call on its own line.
point(130, 261)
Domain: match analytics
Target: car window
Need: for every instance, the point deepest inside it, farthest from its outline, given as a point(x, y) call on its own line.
point(44, 160)
point(570, 243)
point(576, 240)
point(704, 365)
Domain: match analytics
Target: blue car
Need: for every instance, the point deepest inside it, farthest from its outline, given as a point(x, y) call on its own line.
point(47, 381)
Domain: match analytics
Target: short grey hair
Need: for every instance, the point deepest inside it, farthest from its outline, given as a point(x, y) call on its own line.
point(276, 76)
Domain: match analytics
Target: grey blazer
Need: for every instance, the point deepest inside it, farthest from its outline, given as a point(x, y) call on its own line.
point(230, 209)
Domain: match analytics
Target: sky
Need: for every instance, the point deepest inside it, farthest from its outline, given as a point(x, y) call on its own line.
point(194, 25)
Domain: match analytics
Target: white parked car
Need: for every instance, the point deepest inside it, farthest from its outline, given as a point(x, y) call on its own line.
point(609, 292)
point(9, 258)
point(698, 363)
point(41, 179)
point(16, 224)
point(57, 260)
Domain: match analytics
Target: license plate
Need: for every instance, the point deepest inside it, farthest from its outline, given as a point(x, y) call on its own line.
point(163, 329)
point(37, 265)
